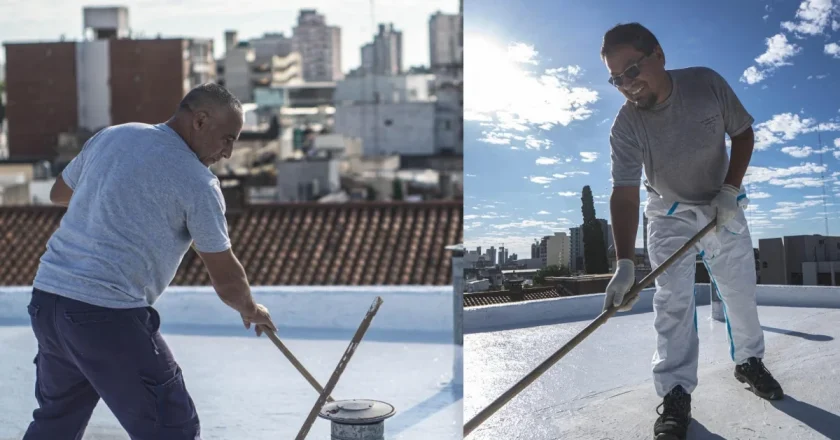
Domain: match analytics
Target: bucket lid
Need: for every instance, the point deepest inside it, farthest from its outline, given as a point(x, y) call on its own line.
point(357, 411)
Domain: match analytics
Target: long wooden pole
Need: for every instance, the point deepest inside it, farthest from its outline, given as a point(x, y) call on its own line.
point(497, 404)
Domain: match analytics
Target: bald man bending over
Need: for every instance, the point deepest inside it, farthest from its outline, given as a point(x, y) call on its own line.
point(137, 195)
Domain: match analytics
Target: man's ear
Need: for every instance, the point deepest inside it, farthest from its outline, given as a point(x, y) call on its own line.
point(200, 119)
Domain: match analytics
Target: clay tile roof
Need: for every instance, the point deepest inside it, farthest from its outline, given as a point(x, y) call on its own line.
point(508, 296)
point(372, 243)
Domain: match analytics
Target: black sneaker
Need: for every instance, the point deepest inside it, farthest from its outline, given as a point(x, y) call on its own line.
point(761, 382)
point(673, 421)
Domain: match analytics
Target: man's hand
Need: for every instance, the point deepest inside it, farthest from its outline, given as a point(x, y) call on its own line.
point(726, 205)
point(622, 281)
point(259, 316)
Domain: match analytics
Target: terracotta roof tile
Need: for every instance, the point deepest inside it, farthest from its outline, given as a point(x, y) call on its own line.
point(374, 243)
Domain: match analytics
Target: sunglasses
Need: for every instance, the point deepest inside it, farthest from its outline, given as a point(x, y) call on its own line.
point(629, 73)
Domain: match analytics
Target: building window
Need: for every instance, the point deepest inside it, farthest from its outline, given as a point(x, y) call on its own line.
point(764, 264)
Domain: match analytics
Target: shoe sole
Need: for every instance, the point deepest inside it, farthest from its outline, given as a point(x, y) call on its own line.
point(776, 394)
point(674, 436)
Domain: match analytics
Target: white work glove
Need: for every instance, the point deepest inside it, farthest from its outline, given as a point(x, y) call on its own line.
point(726, 205)
point(621, 282)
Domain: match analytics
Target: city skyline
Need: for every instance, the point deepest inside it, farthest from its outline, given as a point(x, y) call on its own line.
point(532, 145)
point(39, 21)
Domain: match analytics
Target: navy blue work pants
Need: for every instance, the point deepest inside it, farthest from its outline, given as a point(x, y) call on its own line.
point(86, 352)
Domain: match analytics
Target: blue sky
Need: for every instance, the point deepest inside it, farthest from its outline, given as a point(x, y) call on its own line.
point(538, 108)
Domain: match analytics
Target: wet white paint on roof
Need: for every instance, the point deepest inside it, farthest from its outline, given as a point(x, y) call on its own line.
point(244, 388)
point(603, 388)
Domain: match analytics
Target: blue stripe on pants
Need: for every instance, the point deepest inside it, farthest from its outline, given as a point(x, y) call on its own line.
point(87, 352)
point(725, 314)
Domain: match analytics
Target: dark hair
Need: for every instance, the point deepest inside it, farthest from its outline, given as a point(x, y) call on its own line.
point(209, 95)
point(633, 34)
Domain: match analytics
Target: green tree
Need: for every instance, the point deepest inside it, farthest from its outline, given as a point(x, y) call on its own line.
point(550, 271)
point(594, 248)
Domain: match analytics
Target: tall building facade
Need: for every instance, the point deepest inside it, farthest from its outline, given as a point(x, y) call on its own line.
point(576, 249)
point(265, 62)
point(319, 45)
point(445, 42)
point(383, 56)
point(68, 88)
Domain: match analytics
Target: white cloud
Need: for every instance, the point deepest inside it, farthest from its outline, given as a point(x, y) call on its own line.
point(752, 75)
point(572, 173)
point(588, 156)
point(531, 98)
point(832, 49)
point(797, 182)
point(495, 138)
point(786, 127)
point(759, 195)
point(567, 194)
point(522, 53)
point(811, 19)
point(541, 180)
point(529, 224)
point(558, 176)
point(837, 143)
point(765, 17)
point(543, 213)
point(778, 52)
point(547, 160)
point(533, 143)
point(756, 174)
point(471, 175)
point(802, 152)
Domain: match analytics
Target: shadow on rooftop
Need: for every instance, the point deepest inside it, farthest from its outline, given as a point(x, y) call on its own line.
point(806, 336)
point(403, 421)
point(818, 419)
point(696, 431)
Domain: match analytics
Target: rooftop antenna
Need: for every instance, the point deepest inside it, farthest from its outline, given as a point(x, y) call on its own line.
point(822, 178)
point(376, 61)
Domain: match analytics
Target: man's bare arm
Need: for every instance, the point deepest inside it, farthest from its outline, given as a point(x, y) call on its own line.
point(624, 213)
point(60, 193)
point(739, 161)
point(229, 280)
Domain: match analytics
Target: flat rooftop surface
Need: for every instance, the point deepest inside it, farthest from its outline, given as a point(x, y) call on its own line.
point(244, 388)
point(603, 388)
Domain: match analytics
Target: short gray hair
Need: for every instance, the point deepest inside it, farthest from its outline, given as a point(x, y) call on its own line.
point(209, 95)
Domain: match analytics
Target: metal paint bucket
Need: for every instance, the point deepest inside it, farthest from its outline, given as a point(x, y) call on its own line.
point(357, 419)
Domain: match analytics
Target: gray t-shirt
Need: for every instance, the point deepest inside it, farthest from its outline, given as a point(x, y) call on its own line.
point(681, 141)
point(140, 196)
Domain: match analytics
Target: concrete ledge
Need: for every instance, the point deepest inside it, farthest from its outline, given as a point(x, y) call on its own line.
point(414, 309)
point(587, 307)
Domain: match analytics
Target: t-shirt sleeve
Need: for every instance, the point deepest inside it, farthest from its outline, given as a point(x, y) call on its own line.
point(206, 219)
point(626, 156)
point(736, 119)
point(73, 171)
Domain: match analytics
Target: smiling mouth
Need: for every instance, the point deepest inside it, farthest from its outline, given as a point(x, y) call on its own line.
point(635, 92)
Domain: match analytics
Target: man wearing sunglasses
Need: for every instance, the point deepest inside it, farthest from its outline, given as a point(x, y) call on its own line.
point(672, 125)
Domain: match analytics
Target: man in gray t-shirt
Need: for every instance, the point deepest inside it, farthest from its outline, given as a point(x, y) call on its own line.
point(138, 196)
point(672, 126)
